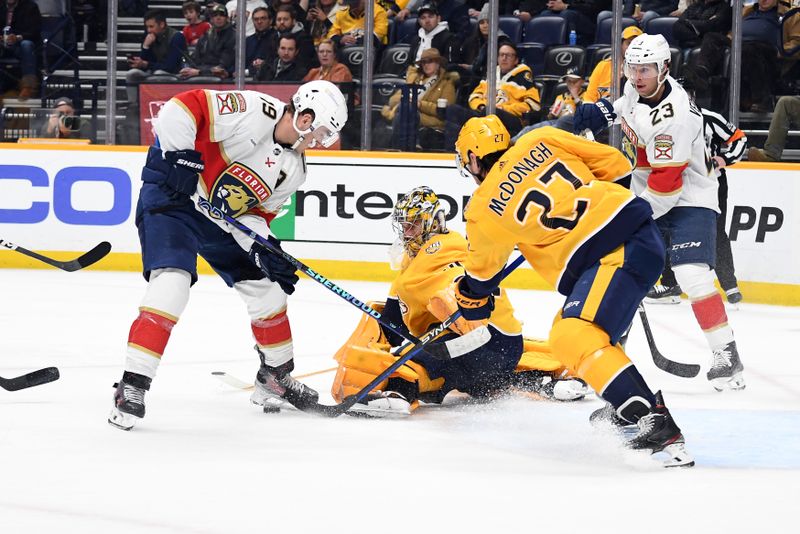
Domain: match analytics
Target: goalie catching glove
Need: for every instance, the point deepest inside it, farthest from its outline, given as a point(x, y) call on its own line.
point(276, 267)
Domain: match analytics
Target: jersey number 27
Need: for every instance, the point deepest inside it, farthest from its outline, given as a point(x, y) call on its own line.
point(543, 200)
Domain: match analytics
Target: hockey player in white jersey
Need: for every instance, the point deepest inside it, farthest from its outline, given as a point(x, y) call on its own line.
point(664, 140)
point(243, 151)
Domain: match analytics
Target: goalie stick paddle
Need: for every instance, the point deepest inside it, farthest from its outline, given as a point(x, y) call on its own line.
point(35, 378)
point(684, 370)
point(87, 259)
point(338, 409)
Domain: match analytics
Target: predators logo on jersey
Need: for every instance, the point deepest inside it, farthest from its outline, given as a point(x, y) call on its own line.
point(237, 189)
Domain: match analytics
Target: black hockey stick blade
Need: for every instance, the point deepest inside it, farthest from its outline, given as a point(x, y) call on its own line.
point(87, 259)
point(35, 378)
point(684, 370)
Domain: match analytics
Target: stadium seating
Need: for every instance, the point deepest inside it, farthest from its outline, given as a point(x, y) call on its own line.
point(595, 54)
point(353, 57)
point(603, 35)
point(406, 30)
point(663, 25)
point(512, 27)
point(383, 87)
point(546, 30)
point(395, 59)
point(532, 54)
point(558, 59)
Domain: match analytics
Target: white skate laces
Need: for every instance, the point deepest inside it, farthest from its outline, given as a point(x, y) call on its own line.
point(133, 394)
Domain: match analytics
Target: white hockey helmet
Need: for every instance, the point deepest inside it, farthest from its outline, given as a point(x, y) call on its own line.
point(327, 103)
point(646, 49)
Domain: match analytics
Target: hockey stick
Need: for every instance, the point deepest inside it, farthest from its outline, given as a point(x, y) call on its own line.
point(238, 383)
point(35, 378)
point(93, 256)
point(338, 409)
point(684, 370)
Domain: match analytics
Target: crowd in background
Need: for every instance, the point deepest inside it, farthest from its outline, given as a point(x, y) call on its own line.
point(300, 40)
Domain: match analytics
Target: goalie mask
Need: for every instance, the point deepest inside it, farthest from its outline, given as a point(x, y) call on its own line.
point(329, 107)
point(418, 216)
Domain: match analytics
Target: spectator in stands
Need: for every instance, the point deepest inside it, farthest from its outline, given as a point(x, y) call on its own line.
point(454, 12)
point(63, 123)
point(348, 26)
point(216, 50)
point(162, 52)
point(517, 97)
point(528, 9)
point(24, 23)
point(564, 104)
point(261, 45)
point(432, 33)
point(790, 52)
point(196, 26)
point(320, 19)
point(250, 7)
point(434, 83)
point(473, 52)
point(286, 23)
point(648, 10)
point(579, 14)
point(600, 79)
point(299, 8)
point(786, 114)
point(761, 42)
point(284, 68)
point(703, 17)
point(329, 67)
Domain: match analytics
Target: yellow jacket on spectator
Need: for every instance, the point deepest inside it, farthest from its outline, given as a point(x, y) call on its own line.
point(516, 93)
point(565, 104)
point(345, 23)
point(599, 82)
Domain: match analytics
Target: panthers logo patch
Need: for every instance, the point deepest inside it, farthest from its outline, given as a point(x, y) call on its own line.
point(629, 143)
point(237, 189)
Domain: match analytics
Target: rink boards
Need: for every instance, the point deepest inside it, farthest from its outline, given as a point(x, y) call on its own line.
point(65, 199)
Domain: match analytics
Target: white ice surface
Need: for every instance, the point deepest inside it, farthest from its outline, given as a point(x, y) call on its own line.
point(205, 461)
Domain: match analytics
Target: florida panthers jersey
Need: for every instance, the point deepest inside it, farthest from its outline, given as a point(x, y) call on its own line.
point(246, 171)
point(437, 264)
point(552, 195)
point(665, 144)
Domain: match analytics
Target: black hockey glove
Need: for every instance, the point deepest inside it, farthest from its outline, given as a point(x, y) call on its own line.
point(596, 117)
point(473, 307)
point(176, 172)
point(277, 269)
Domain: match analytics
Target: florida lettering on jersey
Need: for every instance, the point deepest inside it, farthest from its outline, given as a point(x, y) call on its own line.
point(245, 170)
point(553, 195)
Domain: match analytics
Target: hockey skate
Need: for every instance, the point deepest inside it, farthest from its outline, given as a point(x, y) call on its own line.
point(382, 404)
point(661, 294)
point(606, 417)
point(129, 400)
point(275, 387)
point(726, 369)
point(658, 433)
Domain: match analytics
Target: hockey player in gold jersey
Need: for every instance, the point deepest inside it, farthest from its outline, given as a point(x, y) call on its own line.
point(553, 195)
point(478, 358)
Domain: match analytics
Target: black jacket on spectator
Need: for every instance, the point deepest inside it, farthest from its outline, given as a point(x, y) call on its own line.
point(217, 48)
point(166, 52)
point(590, 8)
point(260, 45)
point(445, 42)
point(662, 7)
point(701, 18)
point(294, 72)
point(26, 20)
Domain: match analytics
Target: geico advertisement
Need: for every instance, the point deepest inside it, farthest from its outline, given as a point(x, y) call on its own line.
point(71, 199)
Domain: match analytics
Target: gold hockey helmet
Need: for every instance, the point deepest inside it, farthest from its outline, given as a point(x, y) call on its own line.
point(481, 136)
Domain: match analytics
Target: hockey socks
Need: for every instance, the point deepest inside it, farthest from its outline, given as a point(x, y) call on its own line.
point(147, 340)
point(274, 338)
point(711, 316)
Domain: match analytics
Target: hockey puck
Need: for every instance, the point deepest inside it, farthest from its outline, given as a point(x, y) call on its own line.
point(268, 408)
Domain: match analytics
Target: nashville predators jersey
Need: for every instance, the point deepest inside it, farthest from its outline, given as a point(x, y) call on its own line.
point(435, 266)
point(665, 143)
point(245, 169)
point(552, 194)
point(516, 92)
